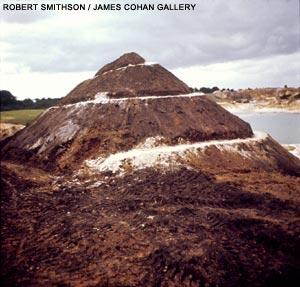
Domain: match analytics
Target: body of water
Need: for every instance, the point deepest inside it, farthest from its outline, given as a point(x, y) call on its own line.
point(283, 127)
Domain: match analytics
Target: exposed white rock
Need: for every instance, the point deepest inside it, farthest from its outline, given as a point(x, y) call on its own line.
point(150, 142)
point(102, 98)
point(129, 66)
point(38, 143)
point(254, 107)
point(139, 158)
point(66, 132)
point(62, 135)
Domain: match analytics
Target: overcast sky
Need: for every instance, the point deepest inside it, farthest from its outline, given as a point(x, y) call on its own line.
point(225, 43)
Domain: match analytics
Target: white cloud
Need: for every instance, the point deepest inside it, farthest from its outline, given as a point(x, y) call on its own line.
point(217, 31)
point(226, 43)
point(275, 71)
point(41, 85)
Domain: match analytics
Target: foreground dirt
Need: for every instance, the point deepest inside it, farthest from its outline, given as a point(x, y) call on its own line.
point(149, 228)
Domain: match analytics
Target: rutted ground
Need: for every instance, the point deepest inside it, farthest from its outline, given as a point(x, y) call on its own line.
point(150, 228)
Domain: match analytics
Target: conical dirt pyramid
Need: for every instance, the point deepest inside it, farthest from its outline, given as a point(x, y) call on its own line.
point(126, 104)
point(159, 190)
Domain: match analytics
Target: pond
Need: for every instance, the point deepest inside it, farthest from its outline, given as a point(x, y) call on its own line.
point(283, 127)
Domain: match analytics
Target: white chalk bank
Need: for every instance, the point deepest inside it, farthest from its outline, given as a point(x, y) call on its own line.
point(148, 156)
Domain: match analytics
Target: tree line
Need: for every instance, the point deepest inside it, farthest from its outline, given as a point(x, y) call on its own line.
point(9, 102)
point(207, 90)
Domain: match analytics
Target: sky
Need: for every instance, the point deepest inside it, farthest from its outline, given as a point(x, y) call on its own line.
point(224, 43)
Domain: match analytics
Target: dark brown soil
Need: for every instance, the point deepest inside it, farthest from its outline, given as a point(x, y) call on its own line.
point(178, 228)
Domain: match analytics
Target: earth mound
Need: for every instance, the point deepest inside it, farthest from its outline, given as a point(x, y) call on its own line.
point(148, 187)
point(69, 134)
point(128, 76)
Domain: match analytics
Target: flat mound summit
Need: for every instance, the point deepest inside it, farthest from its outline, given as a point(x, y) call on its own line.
point(128, 76)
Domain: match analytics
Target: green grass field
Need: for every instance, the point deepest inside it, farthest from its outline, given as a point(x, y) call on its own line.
point(22, 117)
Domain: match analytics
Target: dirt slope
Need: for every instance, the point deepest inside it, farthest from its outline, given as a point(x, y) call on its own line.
point(65, 136)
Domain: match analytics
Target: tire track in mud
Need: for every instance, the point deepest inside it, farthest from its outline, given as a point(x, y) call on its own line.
point(148, 229)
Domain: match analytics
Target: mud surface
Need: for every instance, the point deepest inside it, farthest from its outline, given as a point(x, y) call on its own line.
point(150, 228)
